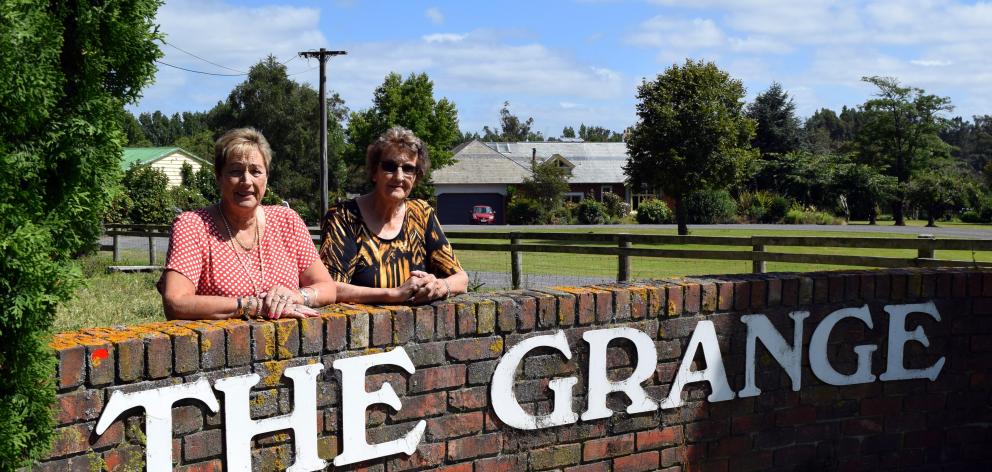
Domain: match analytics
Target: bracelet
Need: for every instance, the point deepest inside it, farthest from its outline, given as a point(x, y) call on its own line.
point(447, 289)
point(239, 312)
point(306, 298)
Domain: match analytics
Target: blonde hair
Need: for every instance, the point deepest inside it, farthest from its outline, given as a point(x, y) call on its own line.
point(402, 141)
point(238, 142)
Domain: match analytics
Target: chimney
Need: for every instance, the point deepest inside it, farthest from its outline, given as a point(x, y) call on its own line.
point(533, 155)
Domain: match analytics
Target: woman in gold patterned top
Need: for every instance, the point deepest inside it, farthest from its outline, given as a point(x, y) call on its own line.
point(383, 247)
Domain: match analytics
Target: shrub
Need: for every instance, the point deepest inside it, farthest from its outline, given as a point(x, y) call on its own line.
point(186, 198)
point(777, 207)
point(798, 216)
point(523, 211)
point(591, 212)
point(710, 207)
point(653, 212)
point(150, 197)
point(560, 216)
point(615, 206)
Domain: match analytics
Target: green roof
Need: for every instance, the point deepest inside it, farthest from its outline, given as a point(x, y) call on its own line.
point(147, 155)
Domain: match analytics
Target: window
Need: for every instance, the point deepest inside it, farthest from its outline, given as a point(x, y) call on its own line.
point(574, 197)
point(603, 190)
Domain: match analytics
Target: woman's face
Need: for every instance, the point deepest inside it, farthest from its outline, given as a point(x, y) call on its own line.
point(242, 180)
point(396, 175)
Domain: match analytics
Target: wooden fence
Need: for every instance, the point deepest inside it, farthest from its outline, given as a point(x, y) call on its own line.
point(753, 248)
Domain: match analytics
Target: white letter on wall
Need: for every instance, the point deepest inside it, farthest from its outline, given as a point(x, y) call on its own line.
point(505, 404)
point(600, 385)
point(355, 400)
point(898, 337)
point(818, 361)
point(704, 335)
point(790, 358)
point(239, 428)
point(158, 416)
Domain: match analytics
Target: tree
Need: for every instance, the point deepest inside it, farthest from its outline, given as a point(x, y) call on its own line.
point(511, 128)
point(823, 131)
point(546, 185)
point(934, 191)
point(568, 132)
point(132, 130)
point(691, 133)
point(598, 134)
point(776, 126)
point(900, 134)
point(66, 71)
point(864, 188)
point(409, 103)
point(288, 114)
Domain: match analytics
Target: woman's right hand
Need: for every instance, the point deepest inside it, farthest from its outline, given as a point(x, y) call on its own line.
point(406, 292)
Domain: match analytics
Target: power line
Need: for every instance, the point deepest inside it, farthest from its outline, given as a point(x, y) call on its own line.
point(202, 59)
point(199, 71)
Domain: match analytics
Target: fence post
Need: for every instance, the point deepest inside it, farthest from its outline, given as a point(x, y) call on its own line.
point(623, 260)
point(117, 248)
point(926, 251)
point(151, 250)
point(516, 261)
point(757, 265)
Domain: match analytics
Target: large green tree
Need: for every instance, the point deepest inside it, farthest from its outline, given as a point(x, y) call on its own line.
point(900, 134)
point(777, 129)
point(66, 70)
point(511, 128)
point(691, 133)
point(288, 114)
point(409, 103)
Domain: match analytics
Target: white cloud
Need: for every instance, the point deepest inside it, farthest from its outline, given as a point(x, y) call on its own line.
point(434, 15)
point(930, 62)
point(443, 38)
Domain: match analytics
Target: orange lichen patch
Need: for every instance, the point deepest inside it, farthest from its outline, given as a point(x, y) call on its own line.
point(496, 346)
point(271, 372)
point(573, 290)
point(75, 338)
point(227, 323)
point(350, 310)
point(170, 328)
point(639, 290)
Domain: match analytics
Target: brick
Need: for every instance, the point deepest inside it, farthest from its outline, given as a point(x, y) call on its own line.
point(794, 456)
point(100, 364)
point(852, 284)
point(527, 316)
point(403, 325)
point(358, 330)
point(759, 294)
point(71, 440)
point(555, 456)
point(186, 419)
point(898, 287)
point(131, 358)
point(502, 463)
point(469, 398)
point(725, 296)
point(675, 300)
point(835, 288)
point(474, 349)
point(467, 323)
point(602, 466)
point(446, 323)
point(465, 467)
point(311, 336)
point(867, 286)
point(335, 332)
point(659, 438)
point(203, 444)
point(123, 458)
point(708, 297)
point(237, 342)
point(608, 447)
point(774, 292)
point(454, 425)
point(566, 309)
point(692, 298)
point(426, 455)
point(215, 465)
point(481, 373)
point(742, 296)
point(382, 327)
point(423, 323)
point(434, 378)
point(881, 406)
point(604, 306)
point(263, 340)
point(422, 406)
point(959, 285)
point(485, 314)
point(883, 286)
point(426, 354)
point(805, 294)
point(703, 430)
point(475, 446)
point(79, 405)
point(790, 292)
point(585, 308)
point(71, 366)
point(212, 347)
point(507, 311)
point(547, 311)
point(637, 462)
point(821, 290)
point(287, 338)
point(795, 416)
point(732, 446)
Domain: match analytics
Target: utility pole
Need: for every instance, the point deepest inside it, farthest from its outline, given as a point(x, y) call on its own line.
point(323, 55)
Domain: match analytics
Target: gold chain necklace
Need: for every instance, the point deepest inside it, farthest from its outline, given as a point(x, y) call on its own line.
point(244, 267)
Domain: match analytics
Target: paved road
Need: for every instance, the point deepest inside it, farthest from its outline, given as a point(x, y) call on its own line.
point(949, 231)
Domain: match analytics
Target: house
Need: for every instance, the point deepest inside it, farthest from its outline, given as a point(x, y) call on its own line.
point(482, 171)
point(167, 159)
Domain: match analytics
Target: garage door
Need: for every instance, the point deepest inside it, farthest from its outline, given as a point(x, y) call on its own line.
point(456, 208)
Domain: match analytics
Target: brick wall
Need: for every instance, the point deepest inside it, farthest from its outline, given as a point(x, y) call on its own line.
point(455, 346)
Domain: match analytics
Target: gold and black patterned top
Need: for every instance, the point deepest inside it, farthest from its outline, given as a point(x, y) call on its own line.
point(354, 255)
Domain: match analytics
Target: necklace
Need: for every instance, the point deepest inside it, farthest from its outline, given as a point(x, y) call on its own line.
point(244, 267)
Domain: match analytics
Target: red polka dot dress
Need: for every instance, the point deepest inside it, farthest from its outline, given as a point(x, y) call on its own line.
point(201, 250)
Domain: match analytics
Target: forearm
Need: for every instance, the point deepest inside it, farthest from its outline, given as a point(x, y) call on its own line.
point(357, 294)
point(322, 293)
point(457, 283)
point(201, 307)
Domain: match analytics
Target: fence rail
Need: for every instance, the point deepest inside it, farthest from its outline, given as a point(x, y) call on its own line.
point(622, 246)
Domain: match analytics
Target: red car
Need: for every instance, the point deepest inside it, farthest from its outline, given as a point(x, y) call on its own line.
point(483, 214)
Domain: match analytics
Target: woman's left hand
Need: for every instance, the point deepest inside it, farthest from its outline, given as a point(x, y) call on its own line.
point(432, 289)
point(277, 301)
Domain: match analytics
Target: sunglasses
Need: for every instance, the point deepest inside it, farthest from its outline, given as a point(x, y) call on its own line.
point(390, 167)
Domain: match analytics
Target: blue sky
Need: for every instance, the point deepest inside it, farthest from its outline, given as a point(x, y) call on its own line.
point(569, 62)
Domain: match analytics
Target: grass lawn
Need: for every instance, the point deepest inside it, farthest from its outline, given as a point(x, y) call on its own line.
point(111, 299)
point(125, 299)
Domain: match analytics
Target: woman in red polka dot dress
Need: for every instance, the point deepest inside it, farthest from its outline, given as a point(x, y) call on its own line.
point(237, 258)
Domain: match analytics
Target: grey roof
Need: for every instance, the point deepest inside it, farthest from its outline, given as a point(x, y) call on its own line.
point(508, 163)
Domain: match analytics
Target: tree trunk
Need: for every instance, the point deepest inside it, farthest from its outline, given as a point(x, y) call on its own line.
point(681, 216)
point(930, 218)
point(897, 213)
point(873, 214)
